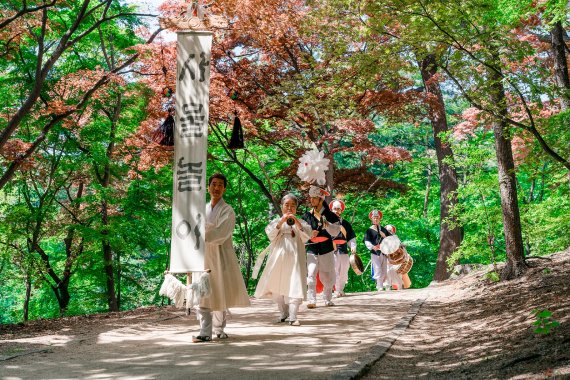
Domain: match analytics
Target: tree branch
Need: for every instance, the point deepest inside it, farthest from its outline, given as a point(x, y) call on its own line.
point(14, 165)
point(255, 179)
point(24, 11)
point(530, 128)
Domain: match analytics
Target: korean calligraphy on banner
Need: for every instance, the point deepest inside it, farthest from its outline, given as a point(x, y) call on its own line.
point(190, 150)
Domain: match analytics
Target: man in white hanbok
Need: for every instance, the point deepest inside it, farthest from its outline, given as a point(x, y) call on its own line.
point(228, 287)
point(284, 278)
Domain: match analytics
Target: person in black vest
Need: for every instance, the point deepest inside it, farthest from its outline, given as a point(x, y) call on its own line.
point(320, 257)
point(345, 239)
point(372, 239)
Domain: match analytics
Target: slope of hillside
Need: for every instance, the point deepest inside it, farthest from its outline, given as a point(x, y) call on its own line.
point(471, 328)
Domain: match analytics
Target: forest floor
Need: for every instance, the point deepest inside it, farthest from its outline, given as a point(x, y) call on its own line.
point(464, 328)
point(473, 328)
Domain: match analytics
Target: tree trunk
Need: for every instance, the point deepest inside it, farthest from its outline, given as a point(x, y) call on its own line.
point(105, 182)
point(61, 291)
point(558, 49)
point(450, 237)
point(516, 264)
point(61, 287)
point(28, 296)
point(426, 195)
point(329, 177)
point(108, 261)
point(246, 235)
point(119, 278)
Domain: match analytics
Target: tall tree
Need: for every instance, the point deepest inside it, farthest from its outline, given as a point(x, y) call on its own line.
point(282, 88)
point(42, 190)
point(42, 38)
point(450, 232)
point(375, 41)
point(516, 264)
point(475, 33)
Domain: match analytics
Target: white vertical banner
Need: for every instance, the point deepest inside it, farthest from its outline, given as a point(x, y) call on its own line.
point(190, 150)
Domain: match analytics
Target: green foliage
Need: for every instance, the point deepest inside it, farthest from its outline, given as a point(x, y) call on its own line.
point(492, 276)
point(544, 323)
point(43, 204)
point(556, 11)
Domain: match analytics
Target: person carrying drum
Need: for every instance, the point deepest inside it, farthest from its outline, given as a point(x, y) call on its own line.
point(346, 238)
point(372, 239)
point(394, 278)
point(399, 260)
point(320, 257)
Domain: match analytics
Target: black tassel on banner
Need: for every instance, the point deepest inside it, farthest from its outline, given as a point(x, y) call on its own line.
point(164, 135)
point(236, 141)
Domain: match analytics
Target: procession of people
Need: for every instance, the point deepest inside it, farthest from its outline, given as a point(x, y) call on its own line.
point(316, 247)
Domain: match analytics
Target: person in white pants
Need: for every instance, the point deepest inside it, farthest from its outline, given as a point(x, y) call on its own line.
point(345, 239)
point(372, 239)
point(227, 284)
point(320, 249)
point(398, 281)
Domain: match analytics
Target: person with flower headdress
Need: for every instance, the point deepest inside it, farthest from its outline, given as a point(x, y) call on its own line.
point(345, 239)
point(372, 239)
point(320, 249)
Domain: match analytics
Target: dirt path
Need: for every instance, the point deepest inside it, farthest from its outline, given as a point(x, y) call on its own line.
point(464, 328)
point(156, 344)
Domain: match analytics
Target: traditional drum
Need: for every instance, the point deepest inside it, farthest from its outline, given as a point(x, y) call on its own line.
point(407, 264)
point(397, 254)
point(356, 264)
point(392, 247)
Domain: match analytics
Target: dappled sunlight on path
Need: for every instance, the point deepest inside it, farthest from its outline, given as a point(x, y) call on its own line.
point(158, 344)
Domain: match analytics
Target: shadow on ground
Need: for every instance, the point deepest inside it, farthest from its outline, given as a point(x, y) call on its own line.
point(489, 332)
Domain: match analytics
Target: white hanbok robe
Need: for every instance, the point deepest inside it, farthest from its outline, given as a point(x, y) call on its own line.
point(286, 270)
point(226, 280)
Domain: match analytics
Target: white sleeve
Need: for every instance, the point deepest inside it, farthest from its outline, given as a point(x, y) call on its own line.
point(352, 243)
point(271, 230)
point(223, 229)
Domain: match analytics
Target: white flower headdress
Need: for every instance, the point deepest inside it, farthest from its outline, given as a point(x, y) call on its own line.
point(312, 167)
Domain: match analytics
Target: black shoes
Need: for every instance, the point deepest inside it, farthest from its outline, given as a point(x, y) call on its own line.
point(201, 339)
